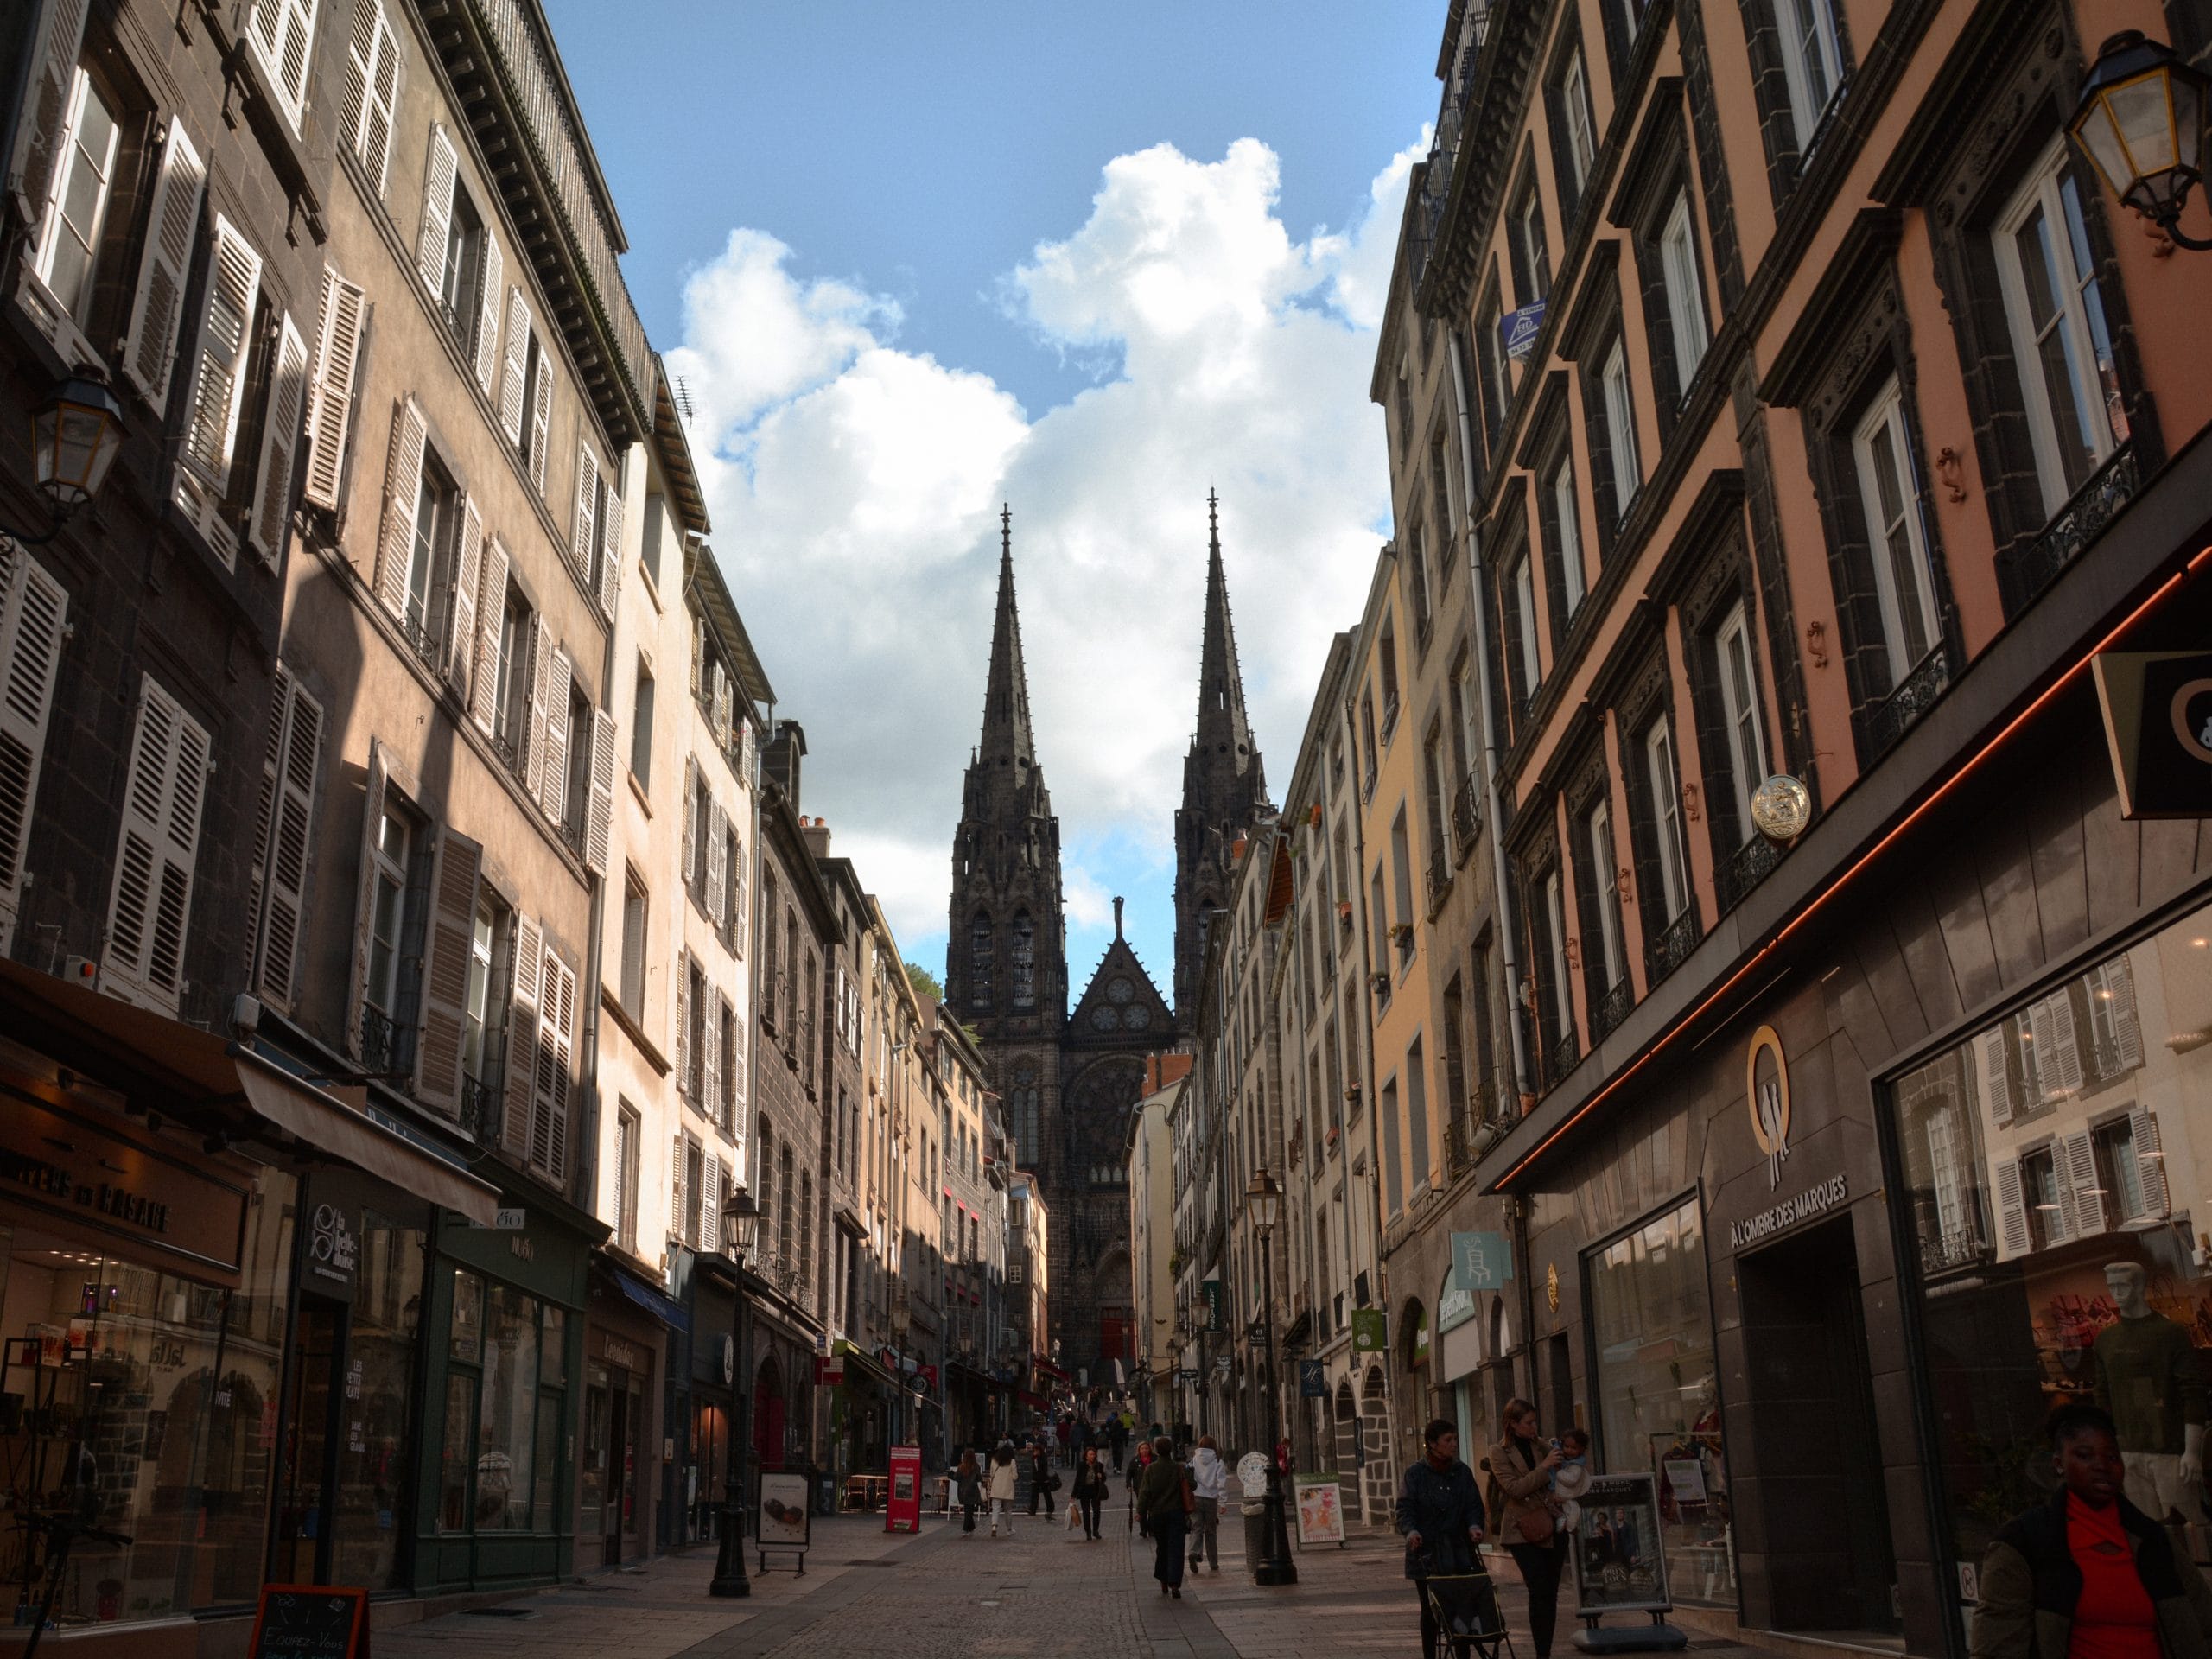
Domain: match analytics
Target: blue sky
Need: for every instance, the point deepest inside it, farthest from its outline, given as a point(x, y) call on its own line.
point(912, 259)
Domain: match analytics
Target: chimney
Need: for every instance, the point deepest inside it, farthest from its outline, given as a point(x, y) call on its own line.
point(780, 757)
point(817, 836)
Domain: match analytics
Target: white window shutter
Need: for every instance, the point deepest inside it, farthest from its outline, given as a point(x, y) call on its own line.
point(403, 496)
point(2060, 1226)
point(733, 1062)
point(514, 378)
point(149, 910)
point(438, 172)
point(56, 36)
point(610, 553)
point(549, 1128)
point(599, 819)
point(467, 578)
point(487, 316)
point(2062, 1067)
point(296, 749)
point(676, 1194)
point(218, 385)
point(692, 828)
point(491, 625)
point(709, 1206)
point(364, 896)
point(1989, 1059)
point(737, 910)
point(540, 679)
point(520, 1082)
point(722, 704)
point(445, 971)
point(582, 526)
point(2120, 980)
point(698, 651)
point(282, 33)
point(2077, 1161)
point(683, 1022)
point(330, 386)
point(541, 418)
point(717, 864)
point(710, 1061)
point(33, 614)
point(2011, 1211)
point(553, 775)
point(280, 438)
point(370, 91)
point(172, 225)
point(2150, 1160)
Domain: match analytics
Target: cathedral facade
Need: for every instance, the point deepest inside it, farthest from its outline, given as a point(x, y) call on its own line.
point(1068, 1075)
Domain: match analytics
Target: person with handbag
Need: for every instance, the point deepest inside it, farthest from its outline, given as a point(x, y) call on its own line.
point(1441, 1515)
point(1164, 1504)
point(967, 1484)
point(1209, 1484)
point(1043, 1480)
point(1089, 1492)
point(1522, 1465)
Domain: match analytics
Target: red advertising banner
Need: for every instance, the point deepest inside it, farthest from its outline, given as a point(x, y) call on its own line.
point(902, 1511)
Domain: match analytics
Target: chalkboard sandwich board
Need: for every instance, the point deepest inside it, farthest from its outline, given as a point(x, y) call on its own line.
point(310, 1621)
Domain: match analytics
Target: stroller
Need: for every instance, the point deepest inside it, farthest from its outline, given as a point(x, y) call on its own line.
point(1468, 1625)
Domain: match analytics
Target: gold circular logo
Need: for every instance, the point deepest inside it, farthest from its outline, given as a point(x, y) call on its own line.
point(1766, 1088)
point(2178, 712)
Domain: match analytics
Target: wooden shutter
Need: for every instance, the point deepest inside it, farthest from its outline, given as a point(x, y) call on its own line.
point(488, 315)
point(737, 913)
point(295, 750)
point(583, 525)
point(34, 617)
point(491, 627)
point(280, 437)
point(370, 91)
point(437, 211)
point(540, 676)
point(364, 896)
point(675, 1194)
point(733, 1061)
point(698, 651)
point(710, 1057)
point(691, 825)
point(2077, 1168)
point(403, 495)
point(553, 774)
point(218, 385)
point(721, 707)
point(710, 1206)
point(55, 36)
point(682, 1022)
point(541, 417)
point(2120, 981)
point(2058, 1060)
point(445, 971)
point(467, 578)
point(150, 908)
point(717, 893)
point(514, 380)
point(599, 817)
point(2060, 1224)
point(2011, 1211)
point(172, 225)
point(282, 33)
point(548, 1128)
point(1996, 1086)
point(330, 386)
point(520, 1082)
point(2150, 1160)
point(610, 549)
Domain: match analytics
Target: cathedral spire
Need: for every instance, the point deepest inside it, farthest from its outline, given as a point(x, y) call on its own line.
point(1222, 728)
point(1005, 694)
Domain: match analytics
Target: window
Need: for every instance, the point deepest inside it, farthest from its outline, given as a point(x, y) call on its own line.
point(1386, 662)
point(150, 906)
point(227, 370)
point(1490, 363)
point(1025, 961)
point(574, 806)
point(641, 727)
point(1685, 293)
point(627, 1128)
point(2060, 343)
point(1417, 1115)
point(1561, 1012)
point(1574, 139)
point(635, 946)
point(527, 389)
point(1567, 520)
point(1739, 708)
point(1401, 886)
point(1416, 555)
point(282, 35)
point(68, 241)
point(1896, 542)
point(1532, 266)
point(1605, 895)
point(510, 676)
point(1394, 1178)
point(1521, 584)
point(1439, 504)
point(433, 516)
point(386, 994)
point(1812, 62)
point(484, 939)
point(1379, 920)
point(595, 547)
point(1667, 819)
point(1373, 756)
point(980, 949)
point(1620, 429)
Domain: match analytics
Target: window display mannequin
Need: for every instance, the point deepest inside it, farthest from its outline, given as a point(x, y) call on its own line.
point(2148, 1378)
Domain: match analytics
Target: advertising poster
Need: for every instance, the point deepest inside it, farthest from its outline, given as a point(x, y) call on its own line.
point(1619, 1567)
point(902, 1512)
point(782, 1520)
point(1320, 1509)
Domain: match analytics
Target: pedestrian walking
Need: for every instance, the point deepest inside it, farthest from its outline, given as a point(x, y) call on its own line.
point(1060, 1433)
point(2088, 1575)
point(968, 1483)
point(1521, 1465)
point(1001, 1487)
point(1135, 1477)
point(1042, 1480)
point(1440, 1514)
point(1088, 1493)
point(1209, 1486)
point(1164, 1502)
point(1117, 1436)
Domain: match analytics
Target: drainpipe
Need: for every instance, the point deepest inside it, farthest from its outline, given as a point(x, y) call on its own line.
point(1502, 906)
point(1367, 1088)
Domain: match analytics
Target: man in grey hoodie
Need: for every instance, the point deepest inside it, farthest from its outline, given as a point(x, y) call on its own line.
point(1209, 1485)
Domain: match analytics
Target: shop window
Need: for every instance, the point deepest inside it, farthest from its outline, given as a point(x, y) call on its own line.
point(1656, 1386)
point(2047, 1167)
point(504, 1409)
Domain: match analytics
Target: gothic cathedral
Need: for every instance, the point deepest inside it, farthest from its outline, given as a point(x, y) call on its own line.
point(1069, 1078)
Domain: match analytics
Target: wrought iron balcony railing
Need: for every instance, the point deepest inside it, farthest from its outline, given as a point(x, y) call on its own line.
point(1466, 817)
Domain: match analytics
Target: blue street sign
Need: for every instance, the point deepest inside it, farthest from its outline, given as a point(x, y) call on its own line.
point(1481, 1260)
point(1312, 1380)
point(1520, 328)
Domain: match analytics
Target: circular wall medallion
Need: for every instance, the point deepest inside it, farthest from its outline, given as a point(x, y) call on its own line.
point(1136, 1017)
point(1781, 808)
point(1766, 1091)
point(1103, 1018)
point(1120, 989)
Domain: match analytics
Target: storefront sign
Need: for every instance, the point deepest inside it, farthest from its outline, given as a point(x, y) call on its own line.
point(1320, 1509)
point(1814, 1201)
point(1619, 1567)
point(1312, 1380)
point(1216, 1301)
point(783, 1519)
point(1481, 1260)
point(333, 1248)
point(618, 1353)
point(64, 1165)
point(902, 1510)
point(1369, 1330)
point(2157, 710)
point(1766, 1094)
point(829, 1369)
point(310, 1621)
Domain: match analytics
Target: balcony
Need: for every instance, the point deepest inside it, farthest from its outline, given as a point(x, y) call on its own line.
point(1913, 696)
point(1466, 818)
point(1565, 1055)
point(387, 1046)
point(1459, 1143)
point(480, 1108)
point(1672, 948)
point(2022, 575)
point(1748, 866)
point(1612, 1008)
point(1440, 871)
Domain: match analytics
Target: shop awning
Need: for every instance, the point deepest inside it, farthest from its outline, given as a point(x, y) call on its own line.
point(669, 1311)
point(172, 1067)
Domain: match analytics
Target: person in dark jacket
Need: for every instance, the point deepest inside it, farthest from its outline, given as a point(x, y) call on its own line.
point(1440, 1514)
point(1090, 1490)
point(2088, 1575)
point(1162, 1508)
point(968, 1483)
point(1042, 1477)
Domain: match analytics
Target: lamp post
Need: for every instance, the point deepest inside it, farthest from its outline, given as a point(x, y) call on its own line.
point(1265, 1197)
point(2141, 122)
point(741, 1221)
point(75, 436)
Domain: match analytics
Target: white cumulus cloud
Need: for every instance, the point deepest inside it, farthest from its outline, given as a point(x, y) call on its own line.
point(855, 487)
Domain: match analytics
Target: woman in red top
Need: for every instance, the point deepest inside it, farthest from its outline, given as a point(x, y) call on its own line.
point(2089, 1575)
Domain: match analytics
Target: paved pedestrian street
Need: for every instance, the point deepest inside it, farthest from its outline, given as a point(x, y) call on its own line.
point(1042, 1595)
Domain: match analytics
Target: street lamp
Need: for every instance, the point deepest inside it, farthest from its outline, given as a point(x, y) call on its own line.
point(1264, 1197)
point(741, 1222)
point(75, 436)
point(2140, 121)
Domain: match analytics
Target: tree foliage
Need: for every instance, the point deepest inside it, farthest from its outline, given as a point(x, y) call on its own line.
point(924, 982)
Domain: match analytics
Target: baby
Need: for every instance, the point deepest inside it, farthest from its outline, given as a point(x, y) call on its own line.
point(1572, 1479)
